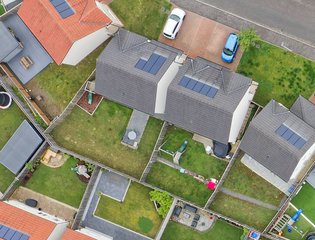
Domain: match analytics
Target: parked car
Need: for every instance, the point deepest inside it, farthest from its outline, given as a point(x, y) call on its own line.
point(230, 48)
point(173, 23)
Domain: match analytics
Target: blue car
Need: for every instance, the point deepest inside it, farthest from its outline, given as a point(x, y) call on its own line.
point(230, 48)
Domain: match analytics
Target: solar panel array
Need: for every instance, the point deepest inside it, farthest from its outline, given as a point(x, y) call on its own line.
point(8, 233)
point(198, 87)
point(63, 8)
point(152, 65)
point(291, 136)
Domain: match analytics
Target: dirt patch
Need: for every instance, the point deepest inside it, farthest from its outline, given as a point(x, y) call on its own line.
point(45, 104)
point(90, 108)
point(200, 36)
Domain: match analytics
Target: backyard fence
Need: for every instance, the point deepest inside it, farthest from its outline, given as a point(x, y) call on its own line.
point(85, 199)
point(155, 152)
point(16, 183)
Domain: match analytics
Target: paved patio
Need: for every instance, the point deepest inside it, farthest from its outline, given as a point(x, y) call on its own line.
point(47, 204)
point(200, 36)
point(115, 231)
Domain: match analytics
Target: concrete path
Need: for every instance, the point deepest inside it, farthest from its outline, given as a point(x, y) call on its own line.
point(274, 36)
point(115, 231)
point(47, 204)
point(137, 122)
point(248, 199)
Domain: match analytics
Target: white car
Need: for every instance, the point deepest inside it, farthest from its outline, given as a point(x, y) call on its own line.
point(174, 22)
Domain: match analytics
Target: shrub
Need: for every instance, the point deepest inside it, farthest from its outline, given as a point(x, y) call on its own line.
point(163, 199)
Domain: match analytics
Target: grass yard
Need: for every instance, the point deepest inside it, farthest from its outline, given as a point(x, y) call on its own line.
point(242, 180)
point(242, 211)
point(6, 178)
point(102, 133)
point(59, 84)
point(221, 230)
point(305, 201)
point(10, 120)
point(281, 75)
point(195, 157)
point(301, 225)
point(180, 184)
point(1, 9)
point(137, 212)
point(145, 17)
point(60, 183)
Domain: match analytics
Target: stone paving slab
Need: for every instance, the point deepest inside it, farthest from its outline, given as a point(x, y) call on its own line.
point(47, 204)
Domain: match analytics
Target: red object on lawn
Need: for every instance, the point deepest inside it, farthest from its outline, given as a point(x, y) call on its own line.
point(212, 185)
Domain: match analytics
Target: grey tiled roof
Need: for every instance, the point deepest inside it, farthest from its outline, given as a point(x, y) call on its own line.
point(271, 150)
point(305, 110)
point(119, 80)
point(209, 117)
point(9, 46)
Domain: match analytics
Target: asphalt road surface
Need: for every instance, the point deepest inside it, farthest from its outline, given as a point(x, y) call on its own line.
point(292, 17)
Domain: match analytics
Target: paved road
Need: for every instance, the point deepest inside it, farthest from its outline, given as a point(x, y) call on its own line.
point(294, 17)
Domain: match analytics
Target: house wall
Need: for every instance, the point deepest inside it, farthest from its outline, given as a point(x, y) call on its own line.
point(303, 162)
point(94, 234)
point(83, 47)
point(58, 231)
point(266, 174)
point(109, 13)
point(161, 92)
point(240, 114)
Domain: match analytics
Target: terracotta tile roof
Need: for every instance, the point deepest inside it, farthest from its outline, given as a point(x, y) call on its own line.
point(37, 228)
point(57, 34)
point(71, 235)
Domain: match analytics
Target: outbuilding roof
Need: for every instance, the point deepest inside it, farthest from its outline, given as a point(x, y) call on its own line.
point(277, 150)
point(20, 147)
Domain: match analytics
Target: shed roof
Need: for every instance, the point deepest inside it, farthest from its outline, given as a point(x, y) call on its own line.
point(20, 147)
point(8, 44)
point(263, 144)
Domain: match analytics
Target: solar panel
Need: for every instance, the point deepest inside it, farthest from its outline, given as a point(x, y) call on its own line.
point(63, 8)
point(152, 65)
point(292, 137)
point(158, 64)
point(198, 87)
point(140, 64)
point(8, 233)
point(300, 143)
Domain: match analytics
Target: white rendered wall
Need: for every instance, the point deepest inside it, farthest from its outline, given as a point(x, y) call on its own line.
point(240, 114)
point(304, 160)
point(58, 231)
point(109, 13)
point(83, 47)
point(161, 90)
point(94, 234)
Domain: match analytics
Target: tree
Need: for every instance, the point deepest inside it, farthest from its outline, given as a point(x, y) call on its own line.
point(163, 199)
point(248, 37)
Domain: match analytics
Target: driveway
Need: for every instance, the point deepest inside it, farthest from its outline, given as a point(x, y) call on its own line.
point(200, 36)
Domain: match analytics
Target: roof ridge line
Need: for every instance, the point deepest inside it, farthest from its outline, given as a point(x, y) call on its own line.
point(273, 108)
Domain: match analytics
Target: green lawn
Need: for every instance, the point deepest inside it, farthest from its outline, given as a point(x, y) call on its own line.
point(180, 184)
point(242, 211)
point(281, 75)
point(221, 230)
point(60, 183)
point(102, 133)
point(60, 83)
point(301, 225)
point(10, 120)
point(195, 157)
point(305, 201)
point(1, 9)
point(145, 17)
point(137, 212)
point(242, 180)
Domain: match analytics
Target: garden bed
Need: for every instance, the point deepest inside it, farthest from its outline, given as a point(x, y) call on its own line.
point(182, 185)
point(102, 133)
point(136, 212)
